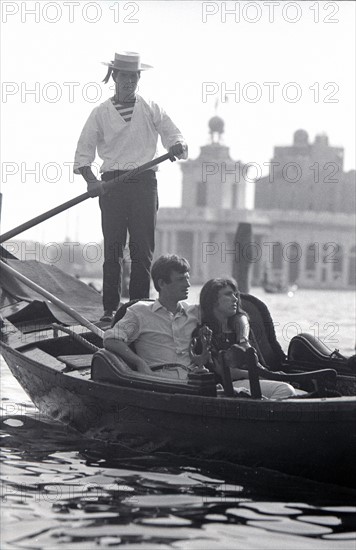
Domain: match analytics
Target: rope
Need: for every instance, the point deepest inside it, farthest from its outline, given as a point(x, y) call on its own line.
point(75, 336)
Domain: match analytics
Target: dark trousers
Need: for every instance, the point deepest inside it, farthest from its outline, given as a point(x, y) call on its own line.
point(130, 207)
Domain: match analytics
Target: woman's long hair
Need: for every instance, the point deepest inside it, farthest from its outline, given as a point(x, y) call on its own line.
point(208, 300)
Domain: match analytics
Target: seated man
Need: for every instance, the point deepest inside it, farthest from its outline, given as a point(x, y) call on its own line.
point(160, 330)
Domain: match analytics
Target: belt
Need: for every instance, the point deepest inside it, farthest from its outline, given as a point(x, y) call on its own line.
point(170, 366)
point(111, 174)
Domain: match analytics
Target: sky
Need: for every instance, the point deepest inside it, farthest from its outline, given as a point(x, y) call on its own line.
point(267, 68)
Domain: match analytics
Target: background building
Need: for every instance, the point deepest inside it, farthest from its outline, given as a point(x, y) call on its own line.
point(307, 177)
point(303, 224)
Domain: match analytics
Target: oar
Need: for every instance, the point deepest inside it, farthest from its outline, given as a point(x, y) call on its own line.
point(63, 306)
point(58, 209)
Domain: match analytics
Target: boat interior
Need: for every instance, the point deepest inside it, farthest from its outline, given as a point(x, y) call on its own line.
point(44, 333)
point(76, 352)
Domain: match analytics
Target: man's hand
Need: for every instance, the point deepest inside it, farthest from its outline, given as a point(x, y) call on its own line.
point(142, 367)
point(178, 150)
point(122, 350)
point(95, 188)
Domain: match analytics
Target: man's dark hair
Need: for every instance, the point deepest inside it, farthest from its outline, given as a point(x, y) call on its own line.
point(164, 265)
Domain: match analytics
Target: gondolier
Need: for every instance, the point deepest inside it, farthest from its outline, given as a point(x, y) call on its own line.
point(124, 131)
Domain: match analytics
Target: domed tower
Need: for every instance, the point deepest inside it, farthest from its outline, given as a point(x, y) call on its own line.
point(321, 140)
point(214, 179)
point(300, 138)
point(216, 127)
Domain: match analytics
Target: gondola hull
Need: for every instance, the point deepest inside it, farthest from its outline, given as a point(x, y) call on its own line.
point(313, 438)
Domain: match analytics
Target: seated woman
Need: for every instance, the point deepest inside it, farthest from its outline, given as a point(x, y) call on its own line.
point(221, 312)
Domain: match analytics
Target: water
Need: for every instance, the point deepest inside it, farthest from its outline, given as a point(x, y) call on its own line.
point(63, 491)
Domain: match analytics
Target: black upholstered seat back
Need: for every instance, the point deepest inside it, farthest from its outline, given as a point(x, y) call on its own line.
point(263, 335)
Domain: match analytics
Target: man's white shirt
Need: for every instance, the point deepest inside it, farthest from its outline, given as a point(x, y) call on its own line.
point(125, 145)
point(160, 336)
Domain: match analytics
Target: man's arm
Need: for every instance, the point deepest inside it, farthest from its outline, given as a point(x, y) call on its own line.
point(122, 349)
point(118, 338)
point(85, 154)
point(170, 134)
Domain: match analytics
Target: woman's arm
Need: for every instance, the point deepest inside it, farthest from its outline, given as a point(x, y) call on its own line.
point(235, 359)
point(244, 333)
point(238, 374)
point(242, 328)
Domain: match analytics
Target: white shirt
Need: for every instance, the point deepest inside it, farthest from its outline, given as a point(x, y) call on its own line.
point(125, 145)
point(160, 336)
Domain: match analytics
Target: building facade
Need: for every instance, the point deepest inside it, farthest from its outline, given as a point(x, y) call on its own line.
point(303, 224)
point(307, 177)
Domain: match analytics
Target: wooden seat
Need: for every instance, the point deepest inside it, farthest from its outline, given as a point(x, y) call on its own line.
point(76, 361)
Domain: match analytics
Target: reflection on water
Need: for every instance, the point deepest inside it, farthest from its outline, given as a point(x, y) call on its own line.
point(61, 490)
point(77, 499)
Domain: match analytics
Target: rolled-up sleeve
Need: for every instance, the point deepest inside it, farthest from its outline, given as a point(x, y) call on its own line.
point(87, 143)
point(127, 329)
point(170, 134)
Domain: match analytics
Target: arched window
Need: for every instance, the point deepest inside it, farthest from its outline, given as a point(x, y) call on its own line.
point(312, 254)
point(338, 259)
point(185, 247)
point(202, 195)
point(233, 195)
point(277, 258)
point(293, 254)
point(352, 267)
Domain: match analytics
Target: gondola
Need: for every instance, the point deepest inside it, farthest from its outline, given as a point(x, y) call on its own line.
point(68, 375)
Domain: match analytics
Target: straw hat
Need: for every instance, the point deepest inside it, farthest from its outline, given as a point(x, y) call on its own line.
point(127, 61)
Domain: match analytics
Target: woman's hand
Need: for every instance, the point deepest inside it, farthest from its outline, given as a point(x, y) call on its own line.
point(235, 356)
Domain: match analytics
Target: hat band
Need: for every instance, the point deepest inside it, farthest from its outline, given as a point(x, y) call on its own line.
point(129, 65)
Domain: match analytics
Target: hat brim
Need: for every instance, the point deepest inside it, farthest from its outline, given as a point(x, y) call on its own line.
point(143, 67)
